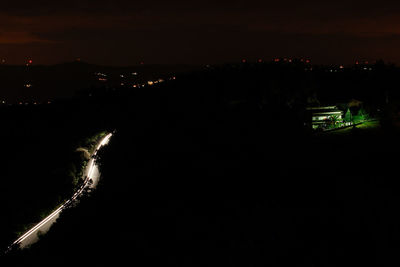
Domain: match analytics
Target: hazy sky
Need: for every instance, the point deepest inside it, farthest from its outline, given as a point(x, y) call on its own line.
point(122, 32)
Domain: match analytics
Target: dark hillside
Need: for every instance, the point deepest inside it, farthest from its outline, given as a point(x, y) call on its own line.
point(216, 167)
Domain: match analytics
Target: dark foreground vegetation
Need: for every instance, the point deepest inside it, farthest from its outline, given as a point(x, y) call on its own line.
point(41, 166)
point(216, 168)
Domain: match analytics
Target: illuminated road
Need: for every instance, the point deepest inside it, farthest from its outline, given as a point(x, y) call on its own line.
point(91, 176)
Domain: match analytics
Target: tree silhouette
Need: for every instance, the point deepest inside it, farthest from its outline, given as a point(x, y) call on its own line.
point(348, 117)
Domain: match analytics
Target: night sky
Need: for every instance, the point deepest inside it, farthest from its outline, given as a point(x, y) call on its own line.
point(197, 32)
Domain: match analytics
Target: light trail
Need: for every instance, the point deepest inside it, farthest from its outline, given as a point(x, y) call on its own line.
point(103, 142)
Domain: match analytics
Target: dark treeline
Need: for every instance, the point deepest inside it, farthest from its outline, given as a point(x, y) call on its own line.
point(216, 167)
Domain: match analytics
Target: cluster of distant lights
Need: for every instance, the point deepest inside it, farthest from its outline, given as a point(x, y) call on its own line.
point(365, 65)
point(303, 60)
point(150, 83)
point(289, 60)
point(102, 77)
point(20, 103)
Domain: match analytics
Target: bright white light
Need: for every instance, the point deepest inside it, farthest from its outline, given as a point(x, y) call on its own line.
point(103, 142)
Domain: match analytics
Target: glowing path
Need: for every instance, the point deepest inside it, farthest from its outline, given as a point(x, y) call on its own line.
point(91, 178)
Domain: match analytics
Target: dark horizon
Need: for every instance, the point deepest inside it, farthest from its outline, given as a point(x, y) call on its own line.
point(142, 64)
point(24, 84)
point(233, 60)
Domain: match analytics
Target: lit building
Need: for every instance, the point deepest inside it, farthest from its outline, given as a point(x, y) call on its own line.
point(322, 116)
